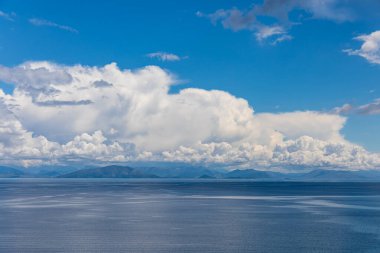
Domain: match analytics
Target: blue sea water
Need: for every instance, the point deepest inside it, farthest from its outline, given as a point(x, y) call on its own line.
point(67, 215)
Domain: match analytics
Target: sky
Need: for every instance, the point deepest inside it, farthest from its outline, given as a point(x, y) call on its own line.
point(256, 84)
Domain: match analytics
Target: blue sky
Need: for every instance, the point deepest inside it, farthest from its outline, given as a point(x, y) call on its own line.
point(309, 72)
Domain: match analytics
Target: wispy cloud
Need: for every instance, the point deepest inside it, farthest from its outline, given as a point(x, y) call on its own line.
point(162, 56)
point(43, 22)
point(277, 31)
point(7, 16)
point(372, 108)
point(344, 109)
point(370, 49)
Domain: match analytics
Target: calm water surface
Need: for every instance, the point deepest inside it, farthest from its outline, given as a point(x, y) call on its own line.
point(187, 216)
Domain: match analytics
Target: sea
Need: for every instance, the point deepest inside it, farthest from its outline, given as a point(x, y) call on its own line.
point(156, 215)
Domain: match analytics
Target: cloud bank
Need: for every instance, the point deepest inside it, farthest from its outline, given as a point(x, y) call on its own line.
point(61, 114)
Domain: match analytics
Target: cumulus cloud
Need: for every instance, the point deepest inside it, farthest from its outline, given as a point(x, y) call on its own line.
point(44, 22)
point(162, 56)
point(18, 143)
point(304, 151)
point(65, 114)
point(34, 76)
point(277, 12)
point(294, 125)
point(370, 49)
point(307, 150)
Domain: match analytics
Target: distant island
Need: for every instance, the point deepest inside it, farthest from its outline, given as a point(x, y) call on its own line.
point(117, 171)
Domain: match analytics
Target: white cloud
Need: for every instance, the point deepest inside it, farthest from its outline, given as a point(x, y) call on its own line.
point(293, 125)
point(276, 30)
point(283, 37)
point(277, 33)
point(233, 19)
point(344, 109)
point(16, 143)
point(95, 147)
point(67, 114)
point(371, 108)
point(44, 22)
point(269, 31)
point(330, 154)
point(370, 49)
point(335, 10)
point(7, 16)
point(165, 56)
point(302, 152)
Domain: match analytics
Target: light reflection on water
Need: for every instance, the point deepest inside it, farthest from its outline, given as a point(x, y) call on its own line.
point(188, 216)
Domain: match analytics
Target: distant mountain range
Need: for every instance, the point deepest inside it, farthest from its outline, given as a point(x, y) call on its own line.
point(115, 171)
point(8, 172)
point(109, 172)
